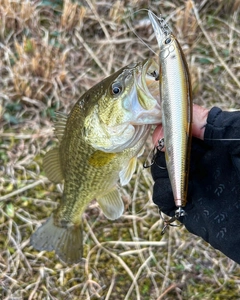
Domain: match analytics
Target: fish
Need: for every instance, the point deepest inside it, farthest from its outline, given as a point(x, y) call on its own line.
point(99, 142)
point(176, 104)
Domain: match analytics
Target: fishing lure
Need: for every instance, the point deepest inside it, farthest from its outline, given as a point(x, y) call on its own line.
point(153, 153)
point(176, 104)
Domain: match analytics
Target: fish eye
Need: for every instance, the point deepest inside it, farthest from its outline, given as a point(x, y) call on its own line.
point(168, 40)
point(116, 89)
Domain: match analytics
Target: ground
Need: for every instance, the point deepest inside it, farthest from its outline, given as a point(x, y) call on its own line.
point(50, 53)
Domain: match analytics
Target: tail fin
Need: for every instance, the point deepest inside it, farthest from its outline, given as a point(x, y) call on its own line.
point(66, 241)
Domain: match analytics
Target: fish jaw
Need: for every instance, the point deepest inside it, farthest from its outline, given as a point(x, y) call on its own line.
point(113, 125)
point(146, 106)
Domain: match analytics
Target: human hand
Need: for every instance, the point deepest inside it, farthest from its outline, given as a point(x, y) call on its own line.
point(164, 189)
point(213, 206)
point(198, 126)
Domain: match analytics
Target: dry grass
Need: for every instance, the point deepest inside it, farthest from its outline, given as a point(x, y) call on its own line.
point(50, 53)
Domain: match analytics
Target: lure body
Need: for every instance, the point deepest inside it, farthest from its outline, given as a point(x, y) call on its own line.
point(176, 103)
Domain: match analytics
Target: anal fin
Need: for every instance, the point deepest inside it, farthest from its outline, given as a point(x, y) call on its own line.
point(112, 204)
point(125, 174)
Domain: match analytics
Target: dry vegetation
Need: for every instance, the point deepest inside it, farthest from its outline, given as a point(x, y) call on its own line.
point(50, 53)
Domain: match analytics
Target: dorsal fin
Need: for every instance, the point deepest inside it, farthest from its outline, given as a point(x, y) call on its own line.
point(52, 166)
point(60, 124)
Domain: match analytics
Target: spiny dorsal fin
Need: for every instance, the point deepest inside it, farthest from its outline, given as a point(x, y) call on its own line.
point(60, 124)
point(52, 166)
point(112, 204)
point(126, 174)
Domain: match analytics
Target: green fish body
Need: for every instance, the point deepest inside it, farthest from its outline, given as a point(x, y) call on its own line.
point(99, 142)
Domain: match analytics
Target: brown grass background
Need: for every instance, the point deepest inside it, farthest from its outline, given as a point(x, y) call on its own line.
point(50, 53)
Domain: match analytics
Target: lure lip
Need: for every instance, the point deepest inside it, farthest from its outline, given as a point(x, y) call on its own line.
point(160, 27)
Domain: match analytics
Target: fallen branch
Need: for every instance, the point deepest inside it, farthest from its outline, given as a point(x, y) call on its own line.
point(213, 47)
point(23, 189)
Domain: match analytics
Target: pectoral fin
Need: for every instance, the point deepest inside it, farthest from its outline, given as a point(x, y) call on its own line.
point(52, 166)
point(126, 174)
point(112, 204)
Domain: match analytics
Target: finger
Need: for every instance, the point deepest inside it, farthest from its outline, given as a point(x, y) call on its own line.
point(157, 134)
point(200, 115)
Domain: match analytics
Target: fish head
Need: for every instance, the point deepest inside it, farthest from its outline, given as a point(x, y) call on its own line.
point(127, 106)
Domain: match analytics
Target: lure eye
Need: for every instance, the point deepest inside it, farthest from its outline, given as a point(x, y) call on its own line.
point(116, 89)
point(168, 40)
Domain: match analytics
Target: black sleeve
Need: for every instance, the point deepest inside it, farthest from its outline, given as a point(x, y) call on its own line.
point(223, 130)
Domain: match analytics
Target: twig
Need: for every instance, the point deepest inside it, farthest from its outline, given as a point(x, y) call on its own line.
point(145, 264)
point(172, 287)
point(89, 50)
point(213, 47)
point(166, 277)
point(35, 288)
point(23, 189)
point(137, 243)
point(121, 262)
point(135, 227)
point(111, 53)
point(111, 287)
point(22, 136)
point(93, 9)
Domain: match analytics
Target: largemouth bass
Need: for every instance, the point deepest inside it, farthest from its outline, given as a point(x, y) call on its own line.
point(99, 142)
point(176, 103)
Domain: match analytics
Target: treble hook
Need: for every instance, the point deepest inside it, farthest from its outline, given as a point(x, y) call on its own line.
point(180, 212)
point(153, 153)
point(159, 147)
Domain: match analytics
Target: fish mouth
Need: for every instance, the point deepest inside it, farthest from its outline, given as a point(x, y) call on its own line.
point(147, 103)
point(150, 76)
point(148, 85)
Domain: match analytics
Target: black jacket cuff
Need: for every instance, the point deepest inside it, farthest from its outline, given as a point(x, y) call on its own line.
point(223, 130)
